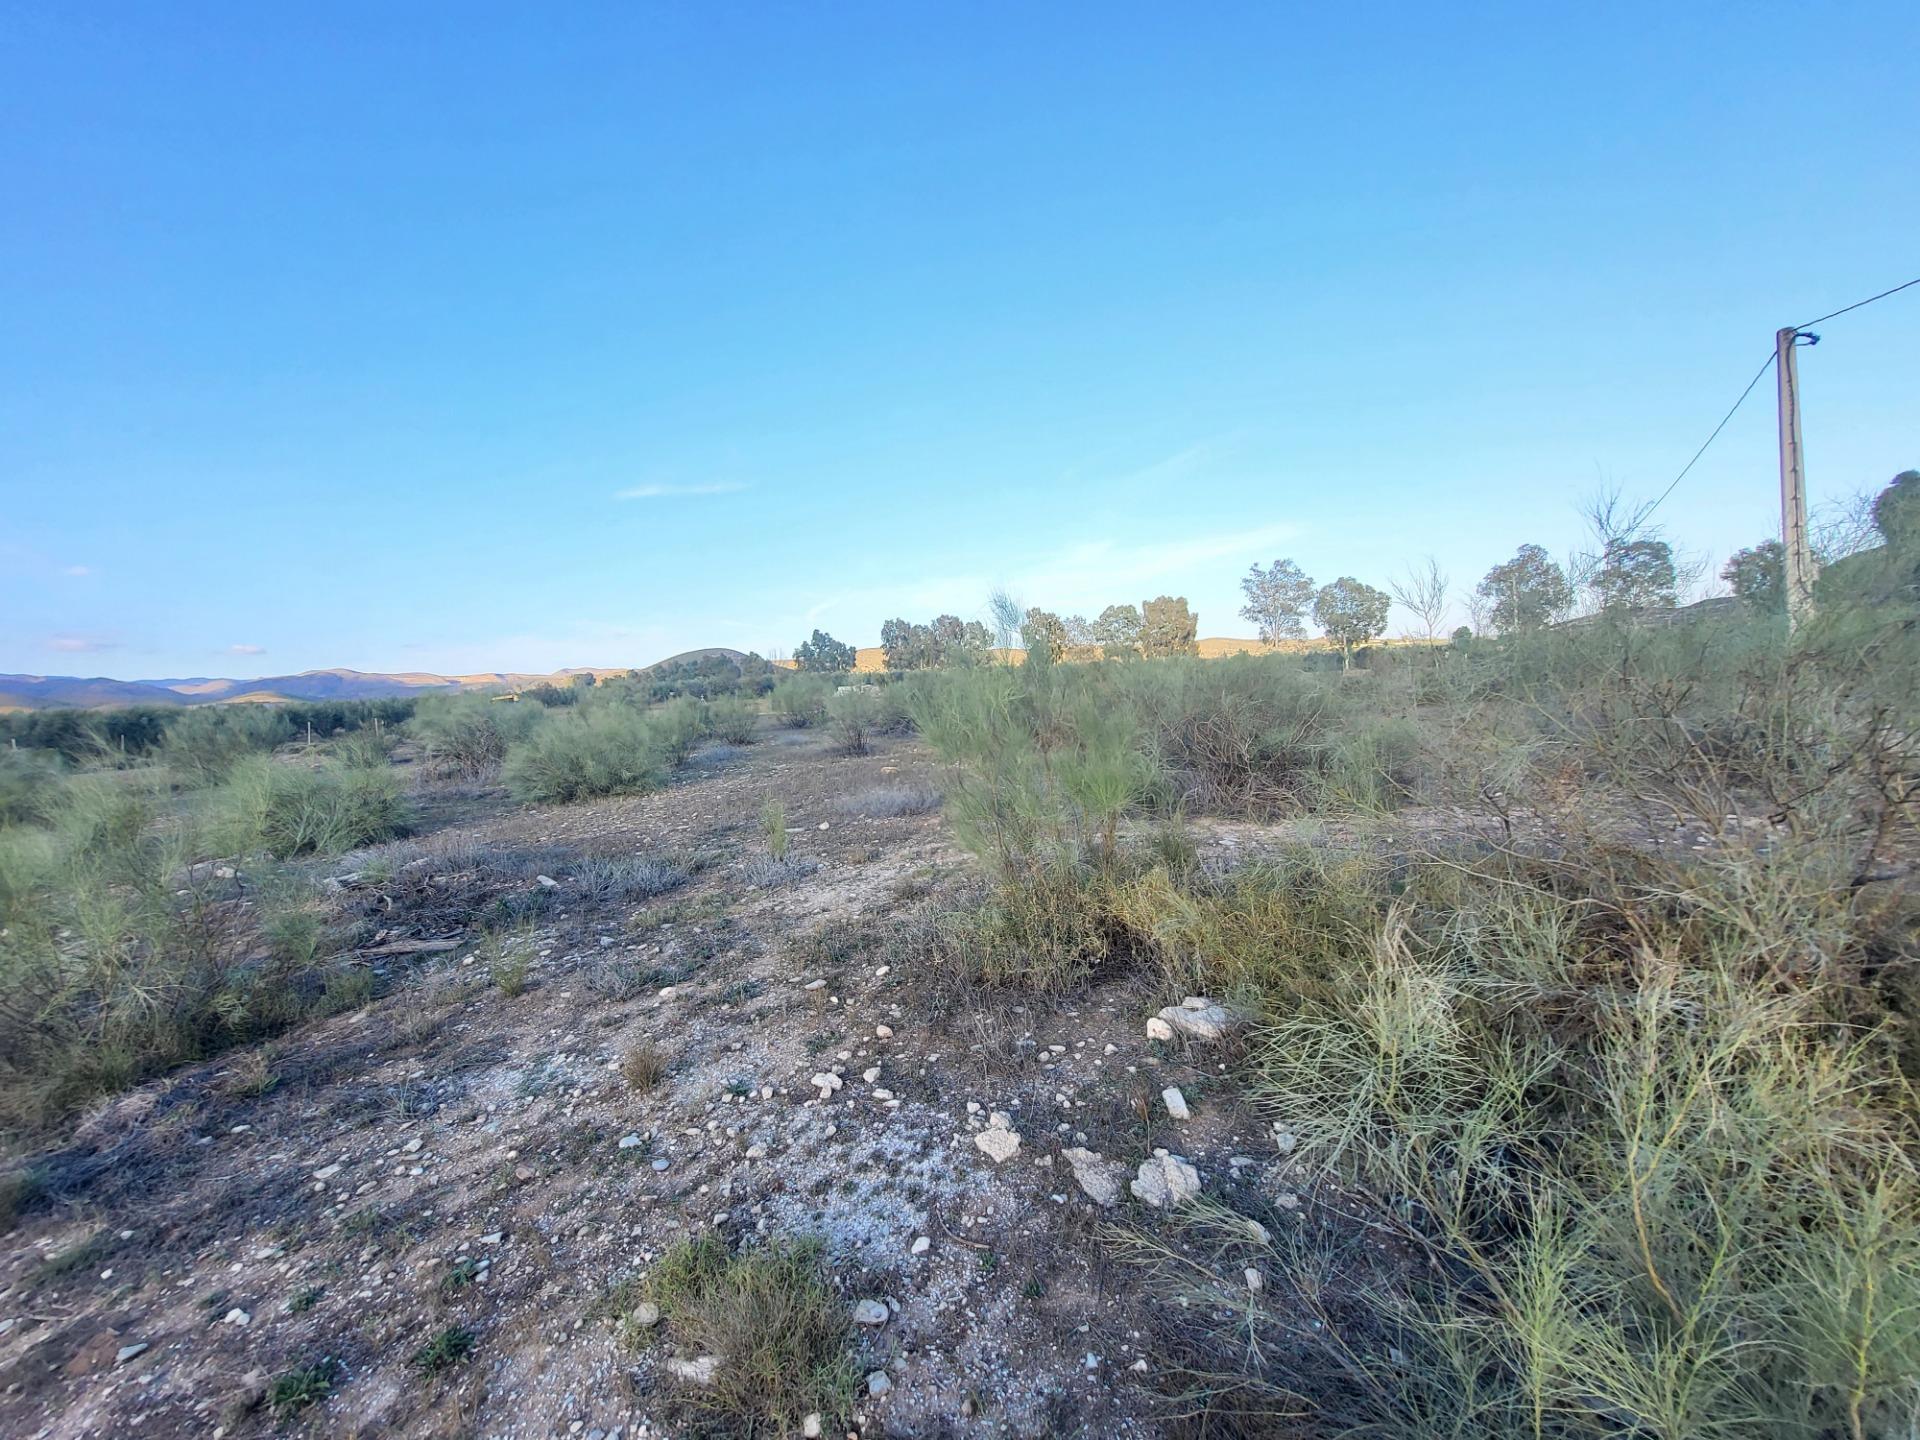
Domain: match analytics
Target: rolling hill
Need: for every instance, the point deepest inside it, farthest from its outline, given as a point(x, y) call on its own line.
point(55, 692)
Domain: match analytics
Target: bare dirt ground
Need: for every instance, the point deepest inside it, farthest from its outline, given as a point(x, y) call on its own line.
point(454, 1155)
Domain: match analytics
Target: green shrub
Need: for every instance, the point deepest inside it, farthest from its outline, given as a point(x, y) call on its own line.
point(204, 742)
point(587, 751)
point(287, 810)
point(678, 725)
point(801, 701)
point(471, 734)
point(734, 721)
point(852, 715)
point(28, 779)
point(122, 954)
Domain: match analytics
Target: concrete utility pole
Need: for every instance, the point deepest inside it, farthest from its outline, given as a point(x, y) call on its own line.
point(1793, 479)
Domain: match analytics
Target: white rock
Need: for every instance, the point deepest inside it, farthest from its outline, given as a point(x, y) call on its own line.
point(237, 1316)
point(871, 1075)
point(1199, 1018)
point(1254, 1282)
point(884, 1032)
point(1176, 1103)
point(812, 1426)
point(998, 1143)
point(326, 1172)
point(921, 1245)
point(1099, 1178)
point(1165, 1181)
point(694, 1372)
point(631, 1142)
point(879, 1383)
point(129, 1352)
point(870, 1312)
point(826, 1082)
point(546, 882)
point(1158, 1029)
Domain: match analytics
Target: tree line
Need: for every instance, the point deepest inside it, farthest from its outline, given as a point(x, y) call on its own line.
point(1628, 568)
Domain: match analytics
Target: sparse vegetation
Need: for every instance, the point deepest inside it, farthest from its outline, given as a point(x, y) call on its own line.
point(1574, 963)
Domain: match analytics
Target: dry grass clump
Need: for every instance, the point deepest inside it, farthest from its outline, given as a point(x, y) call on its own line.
point(643, 1065)
point(889, 802)
point(770, 1318)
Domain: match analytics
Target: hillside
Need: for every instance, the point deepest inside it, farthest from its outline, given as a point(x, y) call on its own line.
point(53, 692)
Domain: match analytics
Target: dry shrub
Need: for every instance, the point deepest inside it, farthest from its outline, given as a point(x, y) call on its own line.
point(644, 1065)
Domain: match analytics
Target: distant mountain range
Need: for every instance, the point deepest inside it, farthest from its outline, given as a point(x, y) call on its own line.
point(55, 692)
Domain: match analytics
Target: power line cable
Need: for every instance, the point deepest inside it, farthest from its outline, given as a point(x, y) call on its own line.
point(1768, 365)
point(1858, 303)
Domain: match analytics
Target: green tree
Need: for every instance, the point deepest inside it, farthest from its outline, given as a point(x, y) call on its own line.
point(957, 642)
point(824, 654)
point(1045, 636)
point(1168, 627)
point(1758, 576)
point(1636, 575)
point(908, 646)
point(1526, 593)
point(1896, 511)
point(1351, 614)
point(1117, 631)
point(1277, 600)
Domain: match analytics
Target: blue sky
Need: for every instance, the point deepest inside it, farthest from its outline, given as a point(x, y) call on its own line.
point(336, 335)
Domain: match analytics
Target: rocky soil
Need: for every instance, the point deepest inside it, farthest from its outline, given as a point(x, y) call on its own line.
point(454, 1158)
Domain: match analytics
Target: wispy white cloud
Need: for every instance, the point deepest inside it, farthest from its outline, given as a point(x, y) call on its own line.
point(78, 572)
point(81, 644)
point(670, 492)
point(246, 649)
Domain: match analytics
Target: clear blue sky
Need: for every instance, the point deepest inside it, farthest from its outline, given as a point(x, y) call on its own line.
point(334, 334)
